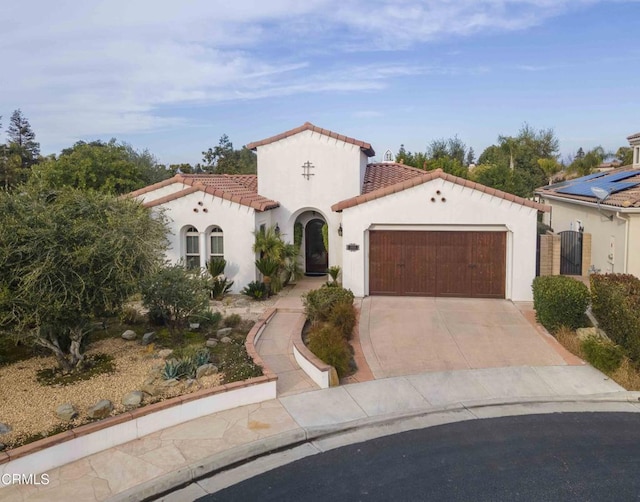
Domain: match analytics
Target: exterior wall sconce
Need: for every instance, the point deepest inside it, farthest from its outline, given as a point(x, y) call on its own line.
point(277, 229)
point(340, 230)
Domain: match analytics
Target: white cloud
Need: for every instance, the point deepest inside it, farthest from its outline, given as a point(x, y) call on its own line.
point(80, 68)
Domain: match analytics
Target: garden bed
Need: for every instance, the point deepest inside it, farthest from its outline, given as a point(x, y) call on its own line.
point(28, 405)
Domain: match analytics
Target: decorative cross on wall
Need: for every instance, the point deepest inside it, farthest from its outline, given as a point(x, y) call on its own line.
point(306, 169)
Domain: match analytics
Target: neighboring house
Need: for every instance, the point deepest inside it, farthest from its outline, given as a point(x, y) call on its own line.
point(606, 205)
point(393, 229)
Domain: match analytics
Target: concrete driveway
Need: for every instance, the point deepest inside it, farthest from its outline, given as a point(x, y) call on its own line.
point(408, 335)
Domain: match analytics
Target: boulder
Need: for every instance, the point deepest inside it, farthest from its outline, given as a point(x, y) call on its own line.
point(2, 446)
point(223, 332)
point(4, 428)
point(132, 399)
point(164, 353)
point(170, 383)
point(205, 370)
point(225, 339)
point(101, 409)
point(584, 333)
point(149, 389)
point(66, 412)
point(211, 342)
point(129, 335)
point(147, 338)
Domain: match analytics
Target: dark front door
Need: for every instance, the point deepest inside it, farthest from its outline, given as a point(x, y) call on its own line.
point(411, 263)
point(316, 256)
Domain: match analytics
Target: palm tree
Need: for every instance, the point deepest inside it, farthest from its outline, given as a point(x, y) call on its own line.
point(269, 244)
point(268, 268)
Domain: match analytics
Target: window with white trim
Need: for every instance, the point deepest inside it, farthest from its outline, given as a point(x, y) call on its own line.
point(216, 243)
point(192, 248)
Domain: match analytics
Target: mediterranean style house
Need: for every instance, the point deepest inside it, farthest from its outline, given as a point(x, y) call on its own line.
point(393, 229)
point(605, 205)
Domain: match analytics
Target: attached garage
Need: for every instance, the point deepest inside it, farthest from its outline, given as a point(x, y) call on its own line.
point(437, 263)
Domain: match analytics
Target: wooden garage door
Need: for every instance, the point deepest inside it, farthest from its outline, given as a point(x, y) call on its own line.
point(410, 263)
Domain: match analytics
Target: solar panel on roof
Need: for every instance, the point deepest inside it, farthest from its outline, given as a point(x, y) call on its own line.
point(621, 176)
point(584, 189)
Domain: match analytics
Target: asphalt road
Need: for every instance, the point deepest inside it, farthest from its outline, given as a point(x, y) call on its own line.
point(558, 457)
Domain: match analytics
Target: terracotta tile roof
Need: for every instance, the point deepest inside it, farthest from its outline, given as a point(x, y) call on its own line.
point(634, 136)
point(383, 174)
point(414, 179)
point(629, 198)
point(308, 126)
point(241, 189)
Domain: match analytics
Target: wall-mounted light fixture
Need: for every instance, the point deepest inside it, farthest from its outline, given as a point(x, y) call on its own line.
point(340, 230)
point(277, 229)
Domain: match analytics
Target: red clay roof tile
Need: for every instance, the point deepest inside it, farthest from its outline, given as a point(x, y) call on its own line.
point(386, 178)
point(308, 126)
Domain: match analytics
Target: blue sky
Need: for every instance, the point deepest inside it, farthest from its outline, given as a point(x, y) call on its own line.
point(174, 76)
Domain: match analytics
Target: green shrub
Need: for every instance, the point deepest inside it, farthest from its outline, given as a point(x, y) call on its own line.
point(615, 302)
point(208, 319)
point(318, 303)
point(559, 301)
point(256, 290)
point(236, 364)
point(220, 286)
point(602, 354)
point(343, 319)
point(329, 345)
point(130, 315)
point(231, 321)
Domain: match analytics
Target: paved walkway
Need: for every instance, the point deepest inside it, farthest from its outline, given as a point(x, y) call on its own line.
point(177, 455)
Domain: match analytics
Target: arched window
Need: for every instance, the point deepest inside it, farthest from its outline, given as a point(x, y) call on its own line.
point(192, 248)
point(216, 243)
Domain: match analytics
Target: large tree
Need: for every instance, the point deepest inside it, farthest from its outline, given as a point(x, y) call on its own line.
point(22, 139)
point(585, 164)
point(520, 154)
point(111, 167)
point(224, 159)
point(68, 257)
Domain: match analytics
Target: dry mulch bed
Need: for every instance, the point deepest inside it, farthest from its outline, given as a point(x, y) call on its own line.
point(29, 406)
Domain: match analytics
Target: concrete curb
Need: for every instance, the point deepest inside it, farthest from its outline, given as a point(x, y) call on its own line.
point(213, 464)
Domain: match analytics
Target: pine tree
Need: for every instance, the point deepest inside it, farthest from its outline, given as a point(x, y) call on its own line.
point(22, 140)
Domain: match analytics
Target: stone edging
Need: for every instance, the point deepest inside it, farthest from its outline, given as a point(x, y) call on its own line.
point(319, 371)
point(268, 377)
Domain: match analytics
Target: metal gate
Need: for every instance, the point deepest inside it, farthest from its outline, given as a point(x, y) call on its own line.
point(570, 252)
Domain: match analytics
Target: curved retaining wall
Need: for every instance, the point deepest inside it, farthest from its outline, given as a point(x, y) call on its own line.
point(320, 372)
point(72, 445)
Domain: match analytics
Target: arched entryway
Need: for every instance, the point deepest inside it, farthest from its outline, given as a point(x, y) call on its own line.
point(316, 256)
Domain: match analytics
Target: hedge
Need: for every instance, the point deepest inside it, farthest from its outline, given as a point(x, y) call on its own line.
point(318, 303)
point(615, 302)
point(559, 301)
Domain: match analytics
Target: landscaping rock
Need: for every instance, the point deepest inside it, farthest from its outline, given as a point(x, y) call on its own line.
point(149, 389)
point(170, 383)
point(211, 342)
point(190, 383)
point(4, 428)
point(132, 399)
point(205, 370)
point(225, 339)
point(584, 333)
point(147, 338)
point(66, 412)
point(129, 335)
point(164, 353)
point(101, 409)
point(2, 446)
point(223, 332)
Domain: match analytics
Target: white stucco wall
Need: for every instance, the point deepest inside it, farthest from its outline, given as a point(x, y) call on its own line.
point(464, 209)
point(633, 260)
point(162, 192)
point(236, 221)
point(337, 173)
point(604, 231)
